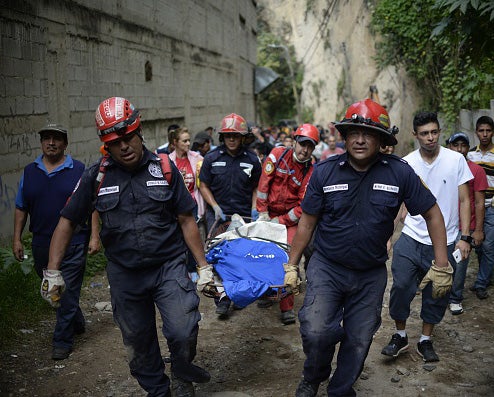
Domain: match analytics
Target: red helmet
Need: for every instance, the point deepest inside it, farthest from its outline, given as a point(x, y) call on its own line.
point(370, 115)
point(116, 117)
point(233, 123)
point(307, 132)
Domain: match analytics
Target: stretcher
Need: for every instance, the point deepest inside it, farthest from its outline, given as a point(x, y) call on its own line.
point(247, 259)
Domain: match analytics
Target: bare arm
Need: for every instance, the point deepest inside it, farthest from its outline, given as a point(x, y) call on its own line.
point(478, 233)
point(302, 237)
point(437, 231)
point(94, 241)
point(254, 199)
point(192, 237)
point(20, 219)
point(59, 242)
point(464, 219)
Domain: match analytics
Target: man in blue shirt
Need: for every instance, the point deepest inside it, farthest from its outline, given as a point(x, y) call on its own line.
point(353, 199)
point(146, 223)
point(45, 186)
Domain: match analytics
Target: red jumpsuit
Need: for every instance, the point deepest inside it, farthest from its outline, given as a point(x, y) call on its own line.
point(280, 191)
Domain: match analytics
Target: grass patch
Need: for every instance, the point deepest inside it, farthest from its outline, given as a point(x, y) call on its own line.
point(21, 305)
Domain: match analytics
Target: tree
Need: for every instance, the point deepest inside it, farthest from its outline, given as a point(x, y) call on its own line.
point(277, 102)
point(447, 46)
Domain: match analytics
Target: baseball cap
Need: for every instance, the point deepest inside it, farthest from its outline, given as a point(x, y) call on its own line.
point(457, 136)
point(202, 137)
point(54, 127)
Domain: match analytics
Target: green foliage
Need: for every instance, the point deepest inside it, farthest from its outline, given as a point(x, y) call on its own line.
point(447, 46)
point(95, 264)
point(277, 102)
point(307, 115)
point(21, 305)
point(340, 86)
point(20, 302)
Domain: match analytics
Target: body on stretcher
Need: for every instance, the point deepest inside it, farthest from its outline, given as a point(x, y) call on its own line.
point(248, 261)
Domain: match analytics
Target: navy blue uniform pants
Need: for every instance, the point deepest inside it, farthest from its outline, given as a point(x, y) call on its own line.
point(69, 314)
point(135, 295)
point(340, 306)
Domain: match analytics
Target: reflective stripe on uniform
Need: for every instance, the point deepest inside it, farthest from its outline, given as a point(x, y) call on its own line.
point(292, 216)
point(262, 195)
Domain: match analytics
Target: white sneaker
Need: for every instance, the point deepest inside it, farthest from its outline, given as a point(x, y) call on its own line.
point(455, 308)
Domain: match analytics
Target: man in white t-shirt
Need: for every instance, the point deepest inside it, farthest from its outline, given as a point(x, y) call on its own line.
point(446, 174)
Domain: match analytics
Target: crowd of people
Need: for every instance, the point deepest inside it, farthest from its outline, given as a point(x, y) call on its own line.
point(143, 206)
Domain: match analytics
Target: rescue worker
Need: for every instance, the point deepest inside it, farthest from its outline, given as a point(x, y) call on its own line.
point(228, 180)
point(353, 200)
point(146, 223)
point(284, 178)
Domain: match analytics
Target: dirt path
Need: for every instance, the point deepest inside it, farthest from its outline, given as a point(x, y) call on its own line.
point(253, 354)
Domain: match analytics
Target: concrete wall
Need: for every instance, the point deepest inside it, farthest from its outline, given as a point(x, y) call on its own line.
point(468, 119)
point(60, 59)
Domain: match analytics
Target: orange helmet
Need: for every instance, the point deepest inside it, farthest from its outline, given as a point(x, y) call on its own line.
point(307, 132)
point(233, 123)
point(370, 115)
point(116, 117)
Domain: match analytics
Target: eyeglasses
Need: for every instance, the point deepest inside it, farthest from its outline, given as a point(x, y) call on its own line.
point(121, 127)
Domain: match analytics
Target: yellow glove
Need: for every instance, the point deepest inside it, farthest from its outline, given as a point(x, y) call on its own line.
point(291, 277)
point(441, 278)
point(263, 216)
point(205, 277)
point(52, 287)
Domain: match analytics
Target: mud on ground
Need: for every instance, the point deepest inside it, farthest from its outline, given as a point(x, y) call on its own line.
point(253, 354)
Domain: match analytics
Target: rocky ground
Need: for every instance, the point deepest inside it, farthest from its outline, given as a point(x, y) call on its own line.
point(253, 354)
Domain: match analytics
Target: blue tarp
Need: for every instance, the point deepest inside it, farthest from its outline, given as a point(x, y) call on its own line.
point(248, 268)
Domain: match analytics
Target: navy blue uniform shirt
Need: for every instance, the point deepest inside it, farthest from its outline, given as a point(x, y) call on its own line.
point(232, 180)
point(138, 211)
point(357, 209)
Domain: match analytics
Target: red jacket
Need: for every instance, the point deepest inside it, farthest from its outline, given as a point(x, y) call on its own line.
point(282, 186)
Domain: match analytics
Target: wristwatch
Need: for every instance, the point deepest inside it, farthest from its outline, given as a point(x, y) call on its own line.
point(466, 238)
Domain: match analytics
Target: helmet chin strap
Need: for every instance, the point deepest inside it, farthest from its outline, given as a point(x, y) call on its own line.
point(297, 160)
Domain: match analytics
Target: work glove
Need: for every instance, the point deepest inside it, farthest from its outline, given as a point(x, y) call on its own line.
point(205, 277)
point(52, 287)
point(263, 216)
point(291, 277)
point(275, 220)
point(254, 214)
point(441, 278)
point(218, 213)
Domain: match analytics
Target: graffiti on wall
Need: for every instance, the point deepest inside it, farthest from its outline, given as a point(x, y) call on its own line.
point(7, 198)
point(19, 144)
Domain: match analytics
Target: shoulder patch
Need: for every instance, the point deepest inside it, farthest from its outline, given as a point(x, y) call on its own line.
point(269, 167)
point(155, 170)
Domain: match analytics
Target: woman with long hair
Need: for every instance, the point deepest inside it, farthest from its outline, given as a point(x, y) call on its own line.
point(189, 164)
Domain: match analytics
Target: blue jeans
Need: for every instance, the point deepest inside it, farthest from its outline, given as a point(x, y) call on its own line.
point(69, 314)
point(340, 306)
point(486, 251)
point(456, 294)
point(411, 261)
point(135, 295)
